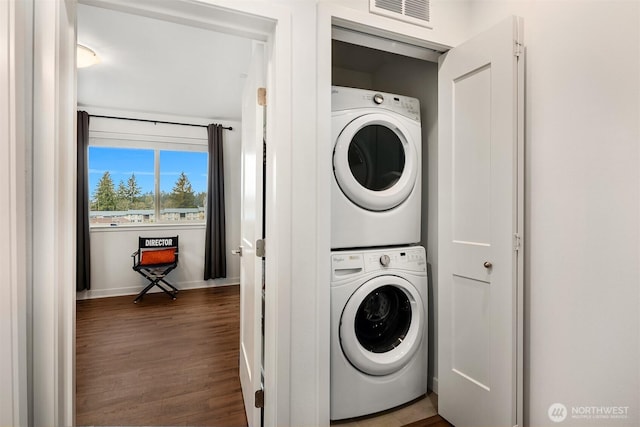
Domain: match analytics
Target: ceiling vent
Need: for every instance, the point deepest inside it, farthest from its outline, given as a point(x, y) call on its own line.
point(414, 11)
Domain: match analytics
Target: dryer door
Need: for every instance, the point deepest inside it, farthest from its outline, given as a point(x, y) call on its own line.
point(375, 162)
point(382, 325)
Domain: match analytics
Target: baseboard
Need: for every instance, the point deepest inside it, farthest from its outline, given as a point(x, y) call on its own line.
point(134, 290)
point(434, 386)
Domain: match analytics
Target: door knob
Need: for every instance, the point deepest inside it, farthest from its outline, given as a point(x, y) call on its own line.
point(237, 251)
point(487, 264)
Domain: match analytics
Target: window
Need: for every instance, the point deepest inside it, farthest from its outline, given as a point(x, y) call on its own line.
point(142, 185)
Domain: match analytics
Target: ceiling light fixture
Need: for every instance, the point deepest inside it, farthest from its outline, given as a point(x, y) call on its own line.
point(86, 57)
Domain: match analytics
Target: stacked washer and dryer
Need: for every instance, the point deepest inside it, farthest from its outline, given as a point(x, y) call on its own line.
point(379, 274)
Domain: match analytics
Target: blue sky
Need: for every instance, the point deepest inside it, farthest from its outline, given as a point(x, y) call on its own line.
point(122, 162)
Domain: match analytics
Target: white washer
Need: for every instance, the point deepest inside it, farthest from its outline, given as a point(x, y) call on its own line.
point(377, 163)
point(378, 329)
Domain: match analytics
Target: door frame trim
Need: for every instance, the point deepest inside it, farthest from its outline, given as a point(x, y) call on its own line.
point(15, 128)
point(520, 228)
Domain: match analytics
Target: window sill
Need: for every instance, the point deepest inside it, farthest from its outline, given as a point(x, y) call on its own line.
point(147, 227)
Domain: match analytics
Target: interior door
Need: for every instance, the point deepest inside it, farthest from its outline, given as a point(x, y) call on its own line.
point(480, 227)
point(251, 230)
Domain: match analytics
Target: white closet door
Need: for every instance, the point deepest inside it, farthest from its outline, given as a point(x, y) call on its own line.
point(480, 220)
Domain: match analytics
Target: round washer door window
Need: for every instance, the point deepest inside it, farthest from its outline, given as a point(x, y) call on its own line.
point(382, 325)
point(375, 163)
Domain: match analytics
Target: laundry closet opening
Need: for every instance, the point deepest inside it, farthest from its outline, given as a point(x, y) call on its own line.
point(367, 62)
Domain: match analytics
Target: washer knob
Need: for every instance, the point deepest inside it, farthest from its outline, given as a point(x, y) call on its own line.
point(385, 260)
point(378, 99)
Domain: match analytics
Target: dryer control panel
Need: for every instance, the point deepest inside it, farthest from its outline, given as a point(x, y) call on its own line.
point(349, 263)
point(346, 98)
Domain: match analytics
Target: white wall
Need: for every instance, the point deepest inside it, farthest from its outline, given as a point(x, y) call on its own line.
point(111, 247)
point(111, 272)
point(582, 203)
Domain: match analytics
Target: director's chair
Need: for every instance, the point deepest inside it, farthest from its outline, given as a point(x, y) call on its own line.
point(154, 259)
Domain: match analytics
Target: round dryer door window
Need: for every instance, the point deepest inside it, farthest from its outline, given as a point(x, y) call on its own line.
point(382, 325)
point(375, 162)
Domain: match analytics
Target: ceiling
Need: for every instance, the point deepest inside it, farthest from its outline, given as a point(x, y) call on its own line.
point(153, 66)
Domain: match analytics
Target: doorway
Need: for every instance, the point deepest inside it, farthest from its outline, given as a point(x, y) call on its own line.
point(152, 69)
point(357, 65)
point(54, 184)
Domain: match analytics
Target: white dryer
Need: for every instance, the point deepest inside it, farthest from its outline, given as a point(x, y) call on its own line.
point(378, 329)
point(377, 162)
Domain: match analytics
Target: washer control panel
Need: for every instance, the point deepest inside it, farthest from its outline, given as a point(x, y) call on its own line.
point(408, 259)
point(346, 264)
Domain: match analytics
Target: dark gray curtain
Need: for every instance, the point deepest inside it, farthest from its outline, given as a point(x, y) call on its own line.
point(215, 258)
point(83, 249)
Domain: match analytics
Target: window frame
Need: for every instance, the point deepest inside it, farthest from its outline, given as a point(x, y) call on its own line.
point(155, 143)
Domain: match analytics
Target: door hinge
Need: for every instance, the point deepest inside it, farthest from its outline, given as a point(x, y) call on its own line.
point(264, 154)
point(262, 96)
point(517, 242)
point(260, 248)
point(259, 399)
point(517, 49)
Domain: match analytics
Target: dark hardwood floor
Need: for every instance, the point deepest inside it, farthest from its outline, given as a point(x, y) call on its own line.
point(160, 362)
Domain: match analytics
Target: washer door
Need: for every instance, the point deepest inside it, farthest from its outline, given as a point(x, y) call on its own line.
point(375, 162)
point(382, 325)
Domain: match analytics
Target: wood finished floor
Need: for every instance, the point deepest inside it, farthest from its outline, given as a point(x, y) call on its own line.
point(421, 412)
point(435, 421)
point(160, 362)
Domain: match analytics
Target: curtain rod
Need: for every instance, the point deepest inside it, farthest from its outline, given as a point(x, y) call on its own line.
point(155, 121)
